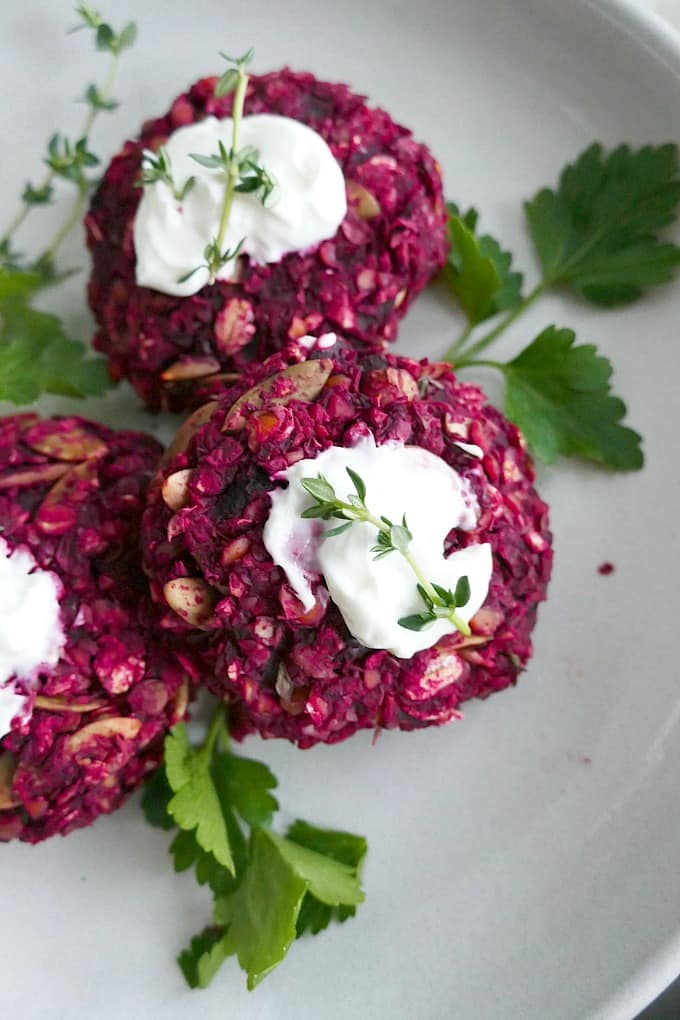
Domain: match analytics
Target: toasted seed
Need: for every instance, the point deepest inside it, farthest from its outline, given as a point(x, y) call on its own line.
point(57, 515)
point(303, 381)
point(190, 368)
point(63, 705)
point(403, 381)
point(67, 488)
point(7, 769)
point(75, 444)
point(175, 490)
point(188, 430)
point(112, 726)
point(181, 701)
point(191, 598)
point(234, 326)
point(364, 203)
point(33, 476)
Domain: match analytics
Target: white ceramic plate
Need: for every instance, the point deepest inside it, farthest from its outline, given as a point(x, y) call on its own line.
point(523, 863)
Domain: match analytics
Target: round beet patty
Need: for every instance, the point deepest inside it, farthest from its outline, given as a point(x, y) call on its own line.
point(71, 497)
point(300, 674)
point(391, 242)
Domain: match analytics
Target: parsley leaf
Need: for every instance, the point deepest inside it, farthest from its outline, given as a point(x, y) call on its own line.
point(245, 785)
point(559, 396)
point(156, 796)
point(36, 356)
point(478, 270)
point(261, 916)
point(203, 958)
point(344, 847)
point(196, 804)
point(597, 231)
point(274, 887)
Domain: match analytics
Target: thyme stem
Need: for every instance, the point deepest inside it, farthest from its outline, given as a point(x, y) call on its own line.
point(358, 511)
point(69, 223)
point(234, 169)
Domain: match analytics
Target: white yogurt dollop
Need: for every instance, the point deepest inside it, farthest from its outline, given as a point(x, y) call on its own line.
point(373, 595)
point(306, 207)
point(31, 633)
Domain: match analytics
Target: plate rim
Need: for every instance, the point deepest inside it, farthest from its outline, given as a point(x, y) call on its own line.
point(646, 27)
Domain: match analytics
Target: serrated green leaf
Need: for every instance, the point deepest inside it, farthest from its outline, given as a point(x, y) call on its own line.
point(597, 232)
point(201, 960)
point(37, 357)
point(344, 847)
point(327, 878)
point(195, 804)
point(244, 784)
point(478, 270)
point(262, 914)
point(559, 396)
point(155, 799)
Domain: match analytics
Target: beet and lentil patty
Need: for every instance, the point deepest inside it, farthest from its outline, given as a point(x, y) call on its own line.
point(391, 242)
point(302, 675)
point(71, 493)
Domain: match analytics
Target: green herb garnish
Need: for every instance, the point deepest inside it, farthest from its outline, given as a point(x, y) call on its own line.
point(156, 167)
point(268, 889)
point(36, 355)
point(597, 234)
point(240, 168)
point(440, 603)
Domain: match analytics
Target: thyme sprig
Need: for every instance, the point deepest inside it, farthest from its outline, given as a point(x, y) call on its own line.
point(240, 168)
point(66, 159)
point(156, 166)
point(440, 603)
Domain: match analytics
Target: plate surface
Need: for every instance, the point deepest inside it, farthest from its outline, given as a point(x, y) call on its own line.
point(523, 863)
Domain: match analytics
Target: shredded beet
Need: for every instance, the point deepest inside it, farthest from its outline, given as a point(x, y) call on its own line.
point(302, 676)
point(72, 492)
point(175, 351)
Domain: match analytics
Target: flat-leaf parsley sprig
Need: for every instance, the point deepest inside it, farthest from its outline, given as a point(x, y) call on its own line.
point(597, 233)
point(268, 889)
point(36, 354)
point(240, 168)
point(440, 603)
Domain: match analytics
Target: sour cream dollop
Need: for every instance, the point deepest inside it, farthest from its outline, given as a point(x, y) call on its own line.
point(307, 205)
point(31, 633)
point(373, 595)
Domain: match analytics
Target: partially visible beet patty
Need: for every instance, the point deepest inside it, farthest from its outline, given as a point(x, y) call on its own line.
point(391, 242)
point(302, 675)
point(71, 493)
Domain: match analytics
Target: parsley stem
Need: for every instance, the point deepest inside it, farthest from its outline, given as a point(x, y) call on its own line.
point(462, 340)
point(234, 170)
point(215, 730)
point(462, 358)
